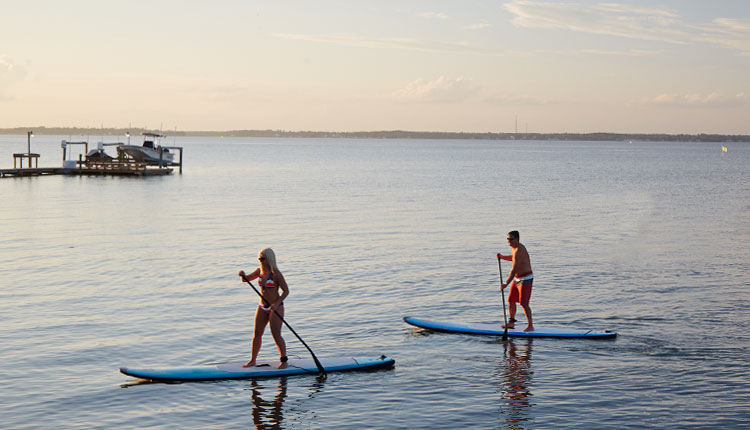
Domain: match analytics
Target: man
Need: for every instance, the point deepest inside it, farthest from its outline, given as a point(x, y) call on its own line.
point(522, 278)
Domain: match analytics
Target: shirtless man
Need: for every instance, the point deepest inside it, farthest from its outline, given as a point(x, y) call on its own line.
point(520, 279)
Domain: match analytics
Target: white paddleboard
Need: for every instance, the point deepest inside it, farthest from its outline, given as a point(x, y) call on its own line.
point(266, 369)
point(498, 330)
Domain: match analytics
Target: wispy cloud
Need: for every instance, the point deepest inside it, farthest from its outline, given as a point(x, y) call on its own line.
point(477, 26)
point(460, 90)
point(630, 21)
point(712, 100)
point(728, 33)
point(612, 19)
point(623, 53)
point(433, 15)
point(357, 41)
point(442, 90)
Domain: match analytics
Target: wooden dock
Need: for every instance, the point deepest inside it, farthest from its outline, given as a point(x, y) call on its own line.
point(114, 167)
point(42, 171)
point(91, 166)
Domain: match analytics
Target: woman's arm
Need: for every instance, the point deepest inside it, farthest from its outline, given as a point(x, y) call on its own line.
point(278, 278)
point(254, 275)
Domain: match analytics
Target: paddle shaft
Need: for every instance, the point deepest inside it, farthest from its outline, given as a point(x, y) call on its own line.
point(502, 291)
point(317, 362)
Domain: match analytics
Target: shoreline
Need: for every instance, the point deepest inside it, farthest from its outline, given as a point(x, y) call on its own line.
point(394, 134)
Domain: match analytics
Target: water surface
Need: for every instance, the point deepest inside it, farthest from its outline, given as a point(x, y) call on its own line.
point(647, 239)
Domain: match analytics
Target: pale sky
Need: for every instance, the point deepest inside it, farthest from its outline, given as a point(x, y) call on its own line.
point(663, 66)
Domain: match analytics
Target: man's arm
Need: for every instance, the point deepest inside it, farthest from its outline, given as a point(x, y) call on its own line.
point(505, 257)
point(512, 273)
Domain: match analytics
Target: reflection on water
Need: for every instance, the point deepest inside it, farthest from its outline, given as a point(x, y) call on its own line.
point(268, 400)
point(516, 376)
point(267, 414)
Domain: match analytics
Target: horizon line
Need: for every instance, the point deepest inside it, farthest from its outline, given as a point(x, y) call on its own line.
point(46, 130)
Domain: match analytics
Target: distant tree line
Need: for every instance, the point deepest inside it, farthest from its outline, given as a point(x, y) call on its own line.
point(391, 134)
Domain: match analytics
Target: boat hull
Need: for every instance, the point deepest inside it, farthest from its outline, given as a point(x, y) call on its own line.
point(147, 155)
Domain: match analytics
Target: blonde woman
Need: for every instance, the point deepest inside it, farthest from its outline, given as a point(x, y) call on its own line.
point(274, 290)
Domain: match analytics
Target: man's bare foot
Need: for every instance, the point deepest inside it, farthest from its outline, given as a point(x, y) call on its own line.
point(529, 328)
point(283, 365)
point(509, 325)
point(250, 363)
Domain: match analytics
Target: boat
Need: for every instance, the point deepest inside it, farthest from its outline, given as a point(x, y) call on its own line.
point(151, 152)
point(98, 154)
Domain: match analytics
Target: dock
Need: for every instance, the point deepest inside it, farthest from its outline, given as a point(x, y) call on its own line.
point(121, 166)
point(85, 171)
point(90, 166)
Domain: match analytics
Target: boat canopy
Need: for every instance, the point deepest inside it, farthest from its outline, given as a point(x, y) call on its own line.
point(153, 134)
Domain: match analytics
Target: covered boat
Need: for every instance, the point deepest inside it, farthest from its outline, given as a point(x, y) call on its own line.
point(151, 152)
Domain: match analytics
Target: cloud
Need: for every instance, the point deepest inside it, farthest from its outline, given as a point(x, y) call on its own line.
point(611, 19)
point(630, 21)
point(711, 100)
point(357, 41)
point(625, 53)
point(460, 90)
point(477, 26)
point(442, 90)
point(433, 15)
point(728, 33)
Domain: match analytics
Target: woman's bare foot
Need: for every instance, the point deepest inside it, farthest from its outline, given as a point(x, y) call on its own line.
point(283, 365)
point(509, 325)
point(529, 328)
point(250, 363)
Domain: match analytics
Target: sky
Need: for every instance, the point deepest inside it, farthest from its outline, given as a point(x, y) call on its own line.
point(671, 66)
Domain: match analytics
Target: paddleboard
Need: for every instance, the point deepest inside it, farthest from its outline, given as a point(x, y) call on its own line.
point(267, 369)
point(498, 330)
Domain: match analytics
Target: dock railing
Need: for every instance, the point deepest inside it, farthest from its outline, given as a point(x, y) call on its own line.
point(119, 163)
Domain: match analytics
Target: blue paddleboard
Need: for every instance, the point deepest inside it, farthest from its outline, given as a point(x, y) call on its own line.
point(498, 330)
point(266, 369)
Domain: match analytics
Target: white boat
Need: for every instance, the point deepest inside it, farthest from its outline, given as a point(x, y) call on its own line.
point(151, 152)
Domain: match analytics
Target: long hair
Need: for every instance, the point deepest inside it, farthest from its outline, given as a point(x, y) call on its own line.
point(270, 257)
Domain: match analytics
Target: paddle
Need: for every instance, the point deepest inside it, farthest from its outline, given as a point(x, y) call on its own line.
point(502, 291)
point(317, 362)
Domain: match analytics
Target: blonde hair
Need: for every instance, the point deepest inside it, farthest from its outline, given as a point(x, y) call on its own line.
point(270, 257)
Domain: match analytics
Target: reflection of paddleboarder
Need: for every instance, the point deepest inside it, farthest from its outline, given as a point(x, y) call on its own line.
point(268, 414)
point(517, 376)
point(520, 279)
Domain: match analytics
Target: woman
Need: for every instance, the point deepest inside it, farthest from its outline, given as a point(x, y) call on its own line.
point(271, 281)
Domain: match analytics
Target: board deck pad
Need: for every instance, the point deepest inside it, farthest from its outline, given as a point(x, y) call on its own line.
point(264, 369)
point(498, 330)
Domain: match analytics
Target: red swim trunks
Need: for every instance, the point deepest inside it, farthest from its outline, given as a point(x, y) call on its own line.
point(520, 292)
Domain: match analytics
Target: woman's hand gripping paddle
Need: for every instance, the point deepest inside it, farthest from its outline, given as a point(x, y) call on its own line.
point(317, 362)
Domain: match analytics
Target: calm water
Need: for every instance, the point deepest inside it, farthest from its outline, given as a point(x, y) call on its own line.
point(649, 239)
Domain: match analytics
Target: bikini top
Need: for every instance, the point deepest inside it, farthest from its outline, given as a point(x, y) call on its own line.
point(269, 282)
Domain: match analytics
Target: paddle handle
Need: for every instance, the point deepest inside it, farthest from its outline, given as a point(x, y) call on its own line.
point(502, 292)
